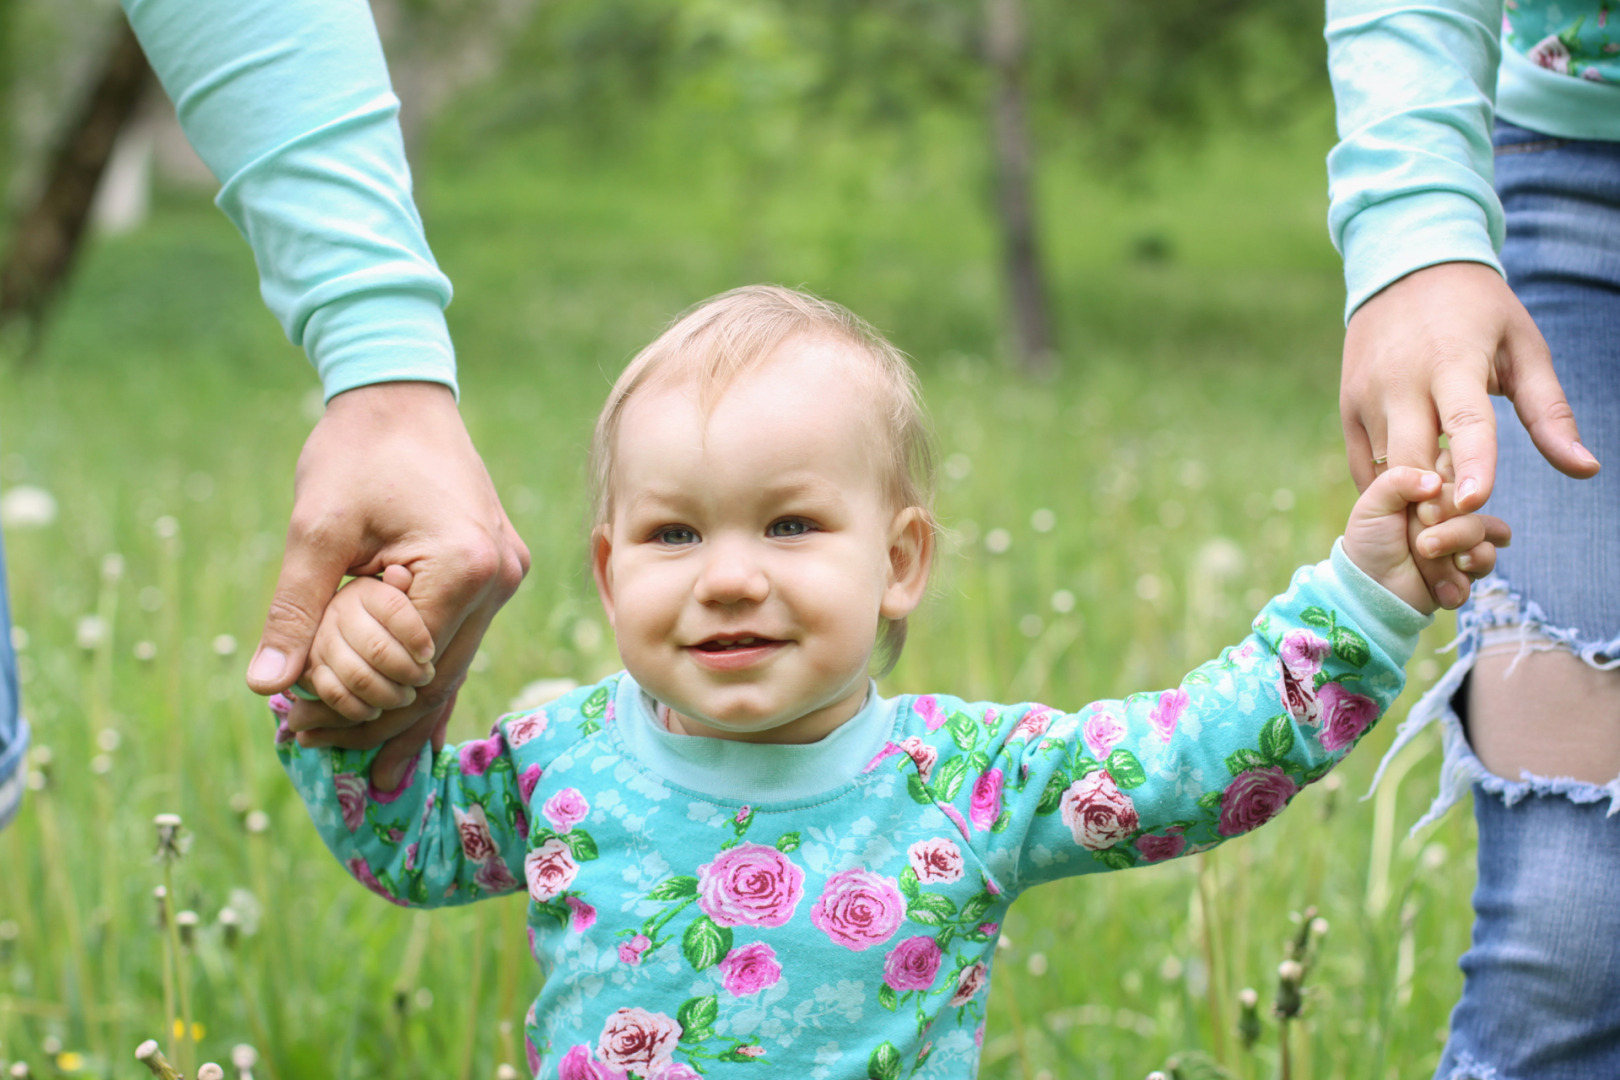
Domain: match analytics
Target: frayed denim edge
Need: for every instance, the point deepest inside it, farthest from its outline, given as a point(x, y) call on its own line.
point(1467, 1068)
point(1461, 769)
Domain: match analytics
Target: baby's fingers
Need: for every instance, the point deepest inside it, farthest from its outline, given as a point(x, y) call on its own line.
point(1478, 560)
point(1459, 535)
point(386, 631)
point(1392, 492)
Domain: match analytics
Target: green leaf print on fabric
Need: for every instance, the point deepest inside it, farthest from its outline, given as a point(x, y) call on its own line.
point(705, 943)
point(787, 842)
point(1315, 616)
point(888, 997)
point(930, 909)
point(675, 888)
point(884, 1064)
point(949, 778)
point(1276, 741)
point(580, 843)
point(1351, 647)
point(1052, 797)
point(1125, 769)
point(964, 732)
point(917, 790)
point(697, 1017)
point(1239, 760)
point(1116, 858)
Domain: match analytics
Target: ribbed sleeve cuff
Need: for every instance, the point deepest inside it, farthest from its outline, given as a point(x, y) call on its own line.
point(380, 337)
point(1388, 240)
point(1392, 623)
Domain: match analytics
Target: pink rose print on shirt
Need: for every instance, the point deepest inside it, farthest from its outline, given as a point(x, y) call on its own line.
point(584, 915)
point(527, 782)
point(985, 805)
point(638, 1040)
point(494, 877)
point(1344, 716)
point(1303, 652)
point(525, 729)
point(750, 885)
point(566, 809)
point(1102, 732)
point(969, 983)
point(912, 964)
point(935, 862)
point(678, 1070)
point(858, 909)
point(578, 1064)
point(1033, 724)
point(1551, 53)
point(1254, 798)
point(748, 969)
point(630, 951)
point(351, 796)
point(928, 708)
point(887, 751)
point(476, 842)
point(1298, 697)
point(1155, 848)
point(477, 756)
point(956, 819)
point(1166, 713)
point(922, 755)
point(1097, 812)
point(362, 873)
point(550, 869)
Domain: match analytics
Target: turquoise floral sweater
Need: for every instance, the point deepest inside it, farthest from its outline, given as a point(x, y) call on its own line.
point(844, 923)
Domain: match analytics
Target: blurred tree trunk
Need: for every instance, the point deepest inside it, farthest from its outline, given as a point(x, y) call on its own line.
point(47, 235)
point(1006, 46)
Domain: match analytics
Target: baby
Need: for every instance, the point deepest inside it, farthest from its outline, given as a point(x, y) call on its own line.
point(735, 851)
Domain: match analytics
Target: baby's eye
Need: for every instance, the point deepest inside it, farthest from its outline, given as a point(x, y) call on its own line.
point(675, 535)
point(788, 527)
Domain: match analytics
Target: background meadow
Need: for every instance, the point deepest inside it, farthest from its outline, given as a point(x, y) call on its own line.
point(1108, 529)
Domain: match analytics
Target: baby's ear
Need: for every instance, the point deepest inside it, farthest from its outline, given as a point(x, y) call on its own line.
point(911, 556)
point(602, 567)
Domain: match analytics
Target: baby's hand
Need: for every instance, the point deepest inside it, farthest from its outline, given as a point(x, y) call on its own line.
point(372, 649)
point(1383, 534)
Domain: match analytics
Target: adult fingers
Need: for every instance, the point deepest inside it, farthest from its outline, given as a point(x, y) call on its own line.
point(1527, 379)
point(310, 572)
point(1469, 422)
point(1413, 434)
point(388, 768)
point(1358, 451)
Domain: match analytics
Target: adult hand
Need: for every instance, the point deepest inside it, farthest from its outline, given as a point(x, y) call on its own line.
point(390, 475)
point(1421, 358)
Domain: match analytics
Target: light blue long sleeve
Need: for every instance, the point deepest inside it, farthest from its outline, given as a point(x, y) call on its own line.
point(1410, 181)
point(289, 104)
point(1418, 85)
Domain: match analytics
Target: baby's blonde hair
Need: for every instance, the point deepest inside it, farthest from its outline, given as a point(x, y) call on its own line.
point(725, 336)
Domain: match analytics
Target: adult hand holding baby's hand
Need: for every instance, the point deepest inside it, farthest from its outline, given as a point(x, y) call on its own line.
point(390, 476)
point(1381, 537)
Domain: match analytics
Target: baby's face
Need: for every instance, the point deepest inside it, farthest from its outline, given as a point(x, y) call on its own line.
point(751, 552)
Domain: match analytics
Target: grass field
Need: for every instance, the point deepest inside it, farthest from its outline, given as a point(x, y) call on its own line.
point(1108, 531)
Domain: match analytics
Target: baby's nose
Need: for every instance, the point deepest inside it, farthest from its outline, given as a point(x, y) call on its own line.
point(732, 575)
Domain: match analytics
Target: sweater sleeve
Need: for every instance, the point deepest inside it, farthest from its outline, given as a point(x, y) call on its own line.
point(289, 104)
point(454, 831)
point(1041, 794)
point(1410, 182)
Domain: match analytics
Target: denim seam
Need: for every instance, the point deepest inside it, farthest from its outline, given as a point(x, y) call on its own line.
point(1461, 768)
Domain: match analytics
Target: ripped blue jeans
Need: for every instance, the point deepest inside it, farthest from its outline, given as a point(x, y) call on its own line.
point(1541, 993)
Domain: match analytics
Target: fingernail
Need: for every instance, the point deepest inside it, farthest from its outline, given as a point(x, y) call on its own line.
point(1446, 593)
point(1583, 453)
point(1467, 488)
point(1431, 547)
point(267, 666)
point(1465, 562)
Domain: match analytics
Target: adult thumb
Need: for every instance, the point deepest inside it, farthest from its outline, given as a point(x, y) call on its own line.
point(303, 590)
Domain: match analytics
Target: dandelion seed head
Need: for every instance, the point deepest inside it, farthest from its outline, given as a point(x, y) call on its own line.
point(187, 918)
point(1031, 626)
point(145, 651)
point(210, 1071)
point(958, 466)
point(1036, 964)
point(1248, 997)
point(1282, 500)
point(1434, 856)
point(241, 802)
point(1290, 971)
point(166, 527)
point(42, 757)
point(1170, 968)
point(112, 568)
point(19, 1071)
point(587, 635)
point(146, 1051)
point(503, 1071)
point(37, 781)
point(50, 1045)
point(422, 999)
point(224, 645)
point(1149, 588)
point(1043, 520)
point(1004, 942)
point(244, 1056)
point(257, 823)
point(19, 638)
point(27, 507)
point(101, 764)
point(1319, 926)
point(167, 821)
point(1062, 601)
point(9, 930)
point(90, 632)
point(997, 541)
point(1428, 670)
point(1332, 782)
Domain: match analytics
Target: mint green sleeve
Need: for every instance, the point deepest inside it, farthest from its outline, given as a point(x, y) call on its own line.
point(1157, 775)
point(1410, 181)
point(289, 104)
point(454, 831)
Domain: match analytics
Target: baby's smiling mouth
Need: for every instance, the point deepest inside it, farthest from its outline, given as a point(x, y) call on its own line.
point(731, 644)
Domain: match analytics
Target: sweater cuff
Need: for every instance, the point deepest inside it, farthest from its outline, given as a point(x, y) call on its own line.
point(1391, 623)
point(380, 337)
point(1388, 240)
